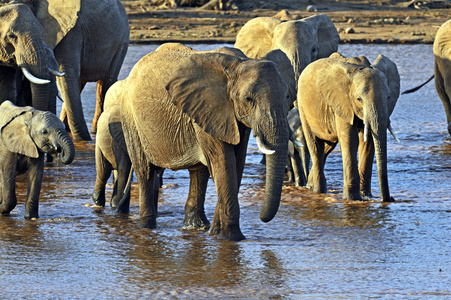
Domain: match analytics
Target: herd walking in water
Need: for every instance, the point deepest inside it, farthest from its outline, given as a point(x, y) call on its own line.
point(284, 82)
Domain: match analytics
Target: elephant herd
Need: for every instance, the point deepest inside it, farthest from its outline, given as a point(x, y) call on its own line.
point(283, 80)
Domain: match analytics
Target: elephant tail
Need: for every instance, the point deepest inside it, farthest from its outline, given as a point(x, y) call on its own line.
point(417, 87)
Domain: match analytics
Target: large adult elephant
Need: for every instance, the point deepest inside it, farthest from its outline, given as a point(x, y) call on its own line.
point(89, 39)
point(303, 41)
point(338, 101)
point(183, 109)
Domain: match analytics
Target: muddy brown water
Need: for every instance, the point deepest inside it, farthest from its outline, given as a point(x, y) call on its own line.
point(317, 247)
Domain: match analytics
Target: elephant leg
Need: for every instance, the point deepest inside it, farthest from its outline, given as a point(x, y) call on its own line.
point(316, 179)
point(63, 113)
point(444, 91)
point(103, 173)
point(194, 207)
point(349, 143)
point(366, 158)
point(223, 169)
point(35, 176)
point(147, 208)
point(8, 191)
point(70, 87)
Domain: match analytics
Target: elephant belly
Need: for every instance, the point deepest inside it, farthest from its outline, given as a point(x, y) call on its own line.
point(169, 138)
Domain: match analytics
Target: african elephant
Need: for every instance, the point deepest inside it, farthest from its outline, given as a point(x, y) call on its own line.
point(360, 101)
point(183, 109)
point(26, 134)
point(111, 154)
point(442, 68)
point(86, 47)
point(303, 41)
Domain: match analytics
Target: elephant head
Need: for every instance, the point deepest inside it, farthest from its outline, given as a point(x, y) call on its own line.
point(29, 132)
point(221, 93)
point(31, 29)
point(303, 41)
point(23, 47)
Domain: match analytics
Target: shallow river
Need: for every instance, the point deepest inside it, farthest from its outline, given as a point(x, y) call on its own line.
point(317, 247)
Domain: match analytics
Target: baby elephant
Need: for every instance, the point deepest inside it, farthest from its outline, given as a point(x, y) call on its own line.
point(26, 134)
point(111, 154)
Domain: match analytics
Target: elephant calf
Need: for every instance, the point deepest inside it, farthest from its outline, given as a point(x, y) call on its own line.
point(111, 154)
point(26, 134)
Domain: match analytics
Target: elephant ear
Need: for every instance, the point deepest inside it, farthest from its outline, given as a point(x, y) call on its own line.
point(255, 38)
point(334, 83)
point(388, 67)
point(57, 17)
point(14, 132)
point(287, 72)
point(199, 87)
point(328, 38)
point(357, 60)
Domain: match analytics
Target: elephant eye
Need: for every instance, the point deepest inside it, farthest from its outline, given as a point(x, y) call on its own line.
point(44, 131)
point(12, 36)
point(359, 99)
point(249, 99)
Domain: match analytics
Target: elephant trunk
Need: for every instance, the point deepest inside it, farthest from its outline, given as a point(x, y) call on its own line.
point(64, 145)
point(40, 96)
point(277, 141)
point(379, 135)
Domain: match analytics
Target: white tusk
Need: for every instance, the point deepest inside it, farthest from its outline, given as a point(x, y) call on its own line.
point(263, 148)
point(365, 133)
point(32, 78)
point(56, 73)
point(298, 143)
point(392, 133)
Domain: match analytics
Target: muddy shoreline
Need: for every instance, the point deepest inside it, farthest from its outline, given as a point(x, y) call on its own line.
point(382, 22)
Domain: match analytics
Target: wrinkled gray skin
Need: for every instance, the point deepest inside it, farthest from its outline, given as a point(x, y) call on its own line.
point(298, 155)
point(26, 134)
point(111, 154)
point(303, 41)
point(19, 50)
point(331, 113)
point(87, 48)
point(183, 109)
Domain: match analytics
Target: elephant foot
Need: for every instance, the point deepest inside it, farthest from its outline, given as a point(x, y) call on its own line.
point(123, 210)
point(150, 223)
point(98, 198)
point(30, 216)
point(228, 234)
point(197, 221)
point(391, 199)
point(350, 196)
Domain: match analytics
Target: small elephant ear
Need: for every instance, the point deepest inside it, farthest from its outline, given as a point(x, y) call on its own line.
point(388, 67)
point(328, 38)
point(199, 88)
point(334, 85)
point(287, 72)
point(57, 17)
point(14, 132)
